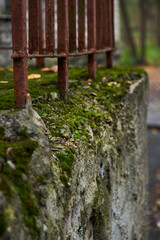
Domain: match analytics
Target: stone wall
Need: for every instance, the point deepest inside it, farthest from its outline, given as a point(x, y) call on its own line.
point(106, 197)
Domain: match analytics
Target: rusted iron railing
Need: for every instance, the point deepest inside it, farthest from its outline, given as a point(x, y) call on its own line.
point(100, 32)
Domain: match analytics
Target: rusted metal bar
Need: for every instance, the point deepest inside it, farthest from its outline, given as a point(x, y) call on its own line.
point(18, 9)
point(72, 25)
point(81, 25)
point(49, 55)
point(33, 26)
point(91, 12)
point(109, 55)
point(104, 23)
point(113, 35)
point(99, 24)
point(40, 61)
point(50, 33)
point(75, 54)
point(63, 40)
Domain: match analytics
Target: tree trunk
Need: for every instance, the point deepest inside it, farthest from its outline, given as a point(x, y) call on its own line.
point(143, 28)
point(158, 22)
point(127, 28)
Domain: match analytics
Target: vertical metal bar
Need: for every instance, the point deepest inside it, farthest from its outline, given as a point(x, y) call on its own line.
point(104, 23)
point(81, 25)
point(92, 37)
point(72, 25)
point(40, 61)
point(50, 33)
point(33, 26)
point(19, 49)
point(63, 40)
point(113, 34)
point(99, 24)
point(109, 55)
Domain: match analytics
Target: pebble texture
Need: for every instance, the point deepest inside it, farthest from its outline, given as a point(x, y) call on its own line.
point(107, 194)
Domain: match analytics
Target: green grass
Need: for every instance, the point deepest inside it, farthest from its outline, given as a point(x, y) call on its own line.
point(152, 56)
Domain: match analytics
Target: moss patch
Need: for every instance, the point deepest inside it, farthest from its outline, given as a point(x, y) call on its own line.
point(3, 224)
point(90, 105)
point(65, 161)
point(12, 177)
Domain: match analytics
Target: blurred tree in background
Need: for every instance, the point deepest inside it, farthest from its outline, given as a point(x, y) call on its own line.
point(140, 25)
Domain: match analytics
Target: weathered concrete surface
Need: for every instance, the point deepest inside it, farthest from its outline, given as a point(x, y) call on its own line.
point(107, 194)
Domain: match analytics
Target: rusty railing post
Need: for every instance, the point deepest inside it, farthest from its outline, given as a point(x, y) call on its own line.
point(72, 25)
point(63, 41)
point(50, 22)
point(19, 51)
point(99, 25)
point(40, 61)
point(92, 38)
point(81, 25)
point(110, 36)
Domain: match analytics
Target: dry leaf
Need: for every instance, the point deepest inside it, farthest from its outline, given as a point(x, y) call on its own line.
point(129, 82)
point(34, 76)
point(154, 131)
point(158, 203)
point(67, 143)
point(104, 79)
point(3, 81)
point(55, 68)
point(1, 69)
point(46, 70)
point(88, 81)
point(110, 84)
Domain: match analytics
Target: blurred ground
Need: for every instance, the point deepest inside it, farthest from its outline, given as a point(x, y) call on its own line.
point(153, 122)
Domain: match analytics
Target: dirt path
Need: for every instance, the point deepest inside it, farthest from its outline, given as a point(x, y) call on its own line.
point(154, 150)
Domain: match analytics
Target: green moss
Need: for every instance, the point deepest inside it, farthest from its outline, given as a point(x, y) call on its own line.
point(3, 224)
point(66, 161)
point(90, 103)
point(41, 179)
point(64, 180)
point(20, 155)
point(23, 133)
point(66, 168)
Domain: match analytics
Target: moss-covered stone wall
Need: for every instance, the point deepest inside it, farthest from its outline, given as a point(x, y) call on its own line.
point(75, 170)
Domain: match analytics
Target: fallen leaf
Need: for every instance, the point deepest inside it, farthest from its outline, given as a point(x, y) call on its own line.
point(129, 82)
point(110, 84)
point(1, 69)
point(34, 76)
point(154, 131)
point(158, 203)
point(104, 79)
point(55, 68)
point(87, 81)
point(67, 143)
point(118, 85)
point(10, 69)
point(3, 81)
point(46, 70)
point(155, 209)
